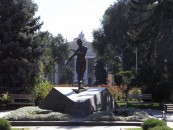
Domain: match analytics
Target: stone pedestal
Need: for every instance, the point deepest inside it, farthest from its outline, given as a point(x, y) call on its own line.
point(67, 100)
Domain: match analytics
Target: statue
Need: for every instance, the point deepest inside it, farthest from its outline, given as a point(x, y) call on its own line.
point(80, 62)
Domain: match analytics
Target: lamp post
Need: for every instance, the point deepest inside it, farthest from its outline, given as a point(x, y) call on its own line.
point(121, 55)
point(134, 37)
point(136, 59)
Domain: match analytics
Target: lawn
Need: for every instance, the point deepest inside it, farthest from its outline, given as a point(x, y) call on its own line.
point(140, 106)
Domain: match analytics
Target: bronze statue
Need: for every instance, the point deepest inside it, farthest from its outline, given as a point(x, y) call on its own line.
point(80, 62)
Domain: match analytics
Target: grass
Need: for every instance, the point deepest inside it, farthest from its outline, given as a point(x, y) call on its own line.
point(140, 106)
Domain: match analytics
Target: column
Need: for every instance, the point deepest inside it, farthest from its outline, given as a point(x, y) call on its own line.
point(56, 74)
point(75, 74)
point(94, 71)
point(86, 73)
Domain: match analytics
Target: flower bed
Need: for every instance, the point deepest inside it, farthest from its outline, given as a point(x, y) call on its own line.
point(37, 114)
point(127, 114)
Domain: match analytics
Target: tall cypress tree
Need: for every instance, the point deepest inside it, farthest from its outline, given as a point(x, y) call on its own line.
point(21, 45)
point(100, 72)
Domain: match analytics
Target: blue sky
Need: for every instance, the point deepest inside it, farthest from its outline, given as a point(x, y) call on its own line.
point(70, 17)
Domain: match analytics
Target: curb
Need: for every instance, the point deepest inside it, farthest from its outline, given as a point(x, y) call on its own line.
point(77, 123)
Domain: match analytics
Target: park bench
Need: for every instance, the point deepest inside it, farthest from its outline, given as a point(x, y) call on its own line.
point(167, 109)
point(22, 99)
point(140, 99)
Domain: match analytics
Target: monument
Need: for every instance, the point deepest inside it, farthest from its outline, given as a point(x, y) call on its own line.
point(88, 101)
point(82, 101)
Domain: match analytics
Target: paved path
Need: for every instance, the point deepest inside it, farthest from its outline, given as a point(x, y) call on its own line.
point(79, 127)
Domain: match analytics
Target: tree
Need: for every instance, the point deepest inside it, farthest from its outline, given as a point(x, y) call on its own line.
point(152, 33)
point(67, 76)
point(56, 52)
point(21, 45)
point(59, 48)
point(112, 36)
point(100, 72)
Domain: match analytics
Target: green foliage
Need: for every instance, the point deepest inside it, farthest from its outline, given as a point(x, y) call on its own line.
point(67, 76)
point(147, 26)
point(100, 72)
point(42, 91)
point(59, 48)
point(134, 90)
point(161, 128)
point(4, 97)
point(4, 124)
point(118, 92)
point(110, 39)
point(124, 77)
point(98, 43)
point(151, 31)
point(56, 53)
point(151, 123)
point(21, 45)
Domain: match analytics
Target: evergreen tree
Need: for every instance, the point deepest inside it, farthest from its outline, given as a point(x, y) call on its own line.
point(100, 72)
point(21, 45)
point(67, 76)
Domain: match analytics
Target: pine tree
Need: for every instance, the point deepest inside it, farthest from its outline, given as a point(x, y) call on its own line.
point(67, 76)
point(100, 72)
point(21, 45)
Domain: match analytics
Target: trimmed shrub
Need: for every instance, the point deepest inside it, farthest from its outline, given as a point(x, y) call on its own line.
point(4, 124)
point(161, 128)
point(151, 123)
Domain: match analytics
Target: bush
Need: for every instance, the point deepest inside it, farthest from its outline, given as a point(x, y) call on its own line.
point(134, 90)
point(151, 123)
point(117, 92)
point(161, 128)
point(4, 98)
point(4, 124)
point(42, 91)
point(124, 77)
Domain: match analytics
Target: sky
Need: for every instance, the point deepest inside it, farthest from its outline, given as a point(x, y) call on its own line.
point(70, 17)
